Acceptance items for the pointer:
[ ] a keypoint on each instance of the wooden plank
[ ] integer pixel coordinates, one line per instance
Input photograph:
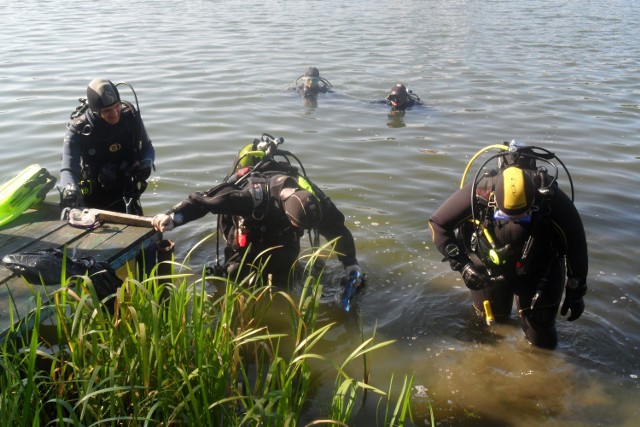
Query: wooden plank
(130, 242)
(56, 239)
(115, 243)
(41, 229)
(33, 223)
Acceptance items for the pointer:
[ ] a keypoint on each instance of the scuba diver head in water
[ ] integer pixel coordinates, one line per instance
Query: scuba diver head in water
(400, 98)
(312, 80)
(311, 84)
(104, 100)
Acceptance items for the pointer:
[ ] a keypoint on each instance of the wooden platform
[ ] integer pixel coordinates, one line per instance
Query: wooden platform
(41, 228)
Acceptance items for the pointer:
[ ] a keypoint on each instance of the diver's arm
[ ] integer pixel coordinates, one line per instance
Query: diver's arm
(332, 226)
(568, 223)
(71, 154)
(147, 149)
(449, 216)
(225, 198)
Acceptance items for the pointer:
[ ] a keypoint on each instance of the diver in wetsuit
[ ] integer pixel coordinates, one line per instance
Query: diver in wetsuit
(400, 99)
(266, 205)
(310, 84)
(107, 155)
(514, 232)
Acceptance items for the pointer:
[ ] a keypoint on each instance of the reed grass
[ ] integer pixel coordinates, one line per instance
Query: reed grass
(170, 354)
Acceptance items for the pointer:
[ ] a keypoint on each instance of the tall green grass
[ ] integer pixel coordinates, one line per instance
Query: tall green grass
(171, 353)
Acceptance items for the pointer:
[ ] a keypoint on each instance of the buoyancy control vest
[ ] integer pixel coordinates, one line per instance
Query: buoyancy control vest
(267, 224)
(239, 232)
(107, 151)
(499, 241)
(512, 246)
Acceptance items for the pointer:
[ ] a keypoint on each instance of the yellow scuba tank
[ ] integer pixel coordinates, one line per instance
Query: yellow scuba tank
(23, 191)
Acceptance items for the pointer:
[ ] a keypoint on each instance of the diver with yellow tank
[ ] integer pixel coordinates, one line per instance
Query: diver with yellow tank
(512, 232)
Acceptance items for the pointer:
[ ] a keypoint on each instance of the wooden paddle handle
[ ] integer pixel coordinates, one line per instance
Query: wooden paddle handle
(91, 218)
(122, 218)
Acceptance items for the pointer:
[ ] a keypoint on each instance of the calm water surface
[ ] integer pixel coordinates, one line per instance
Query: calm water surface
(212, 75)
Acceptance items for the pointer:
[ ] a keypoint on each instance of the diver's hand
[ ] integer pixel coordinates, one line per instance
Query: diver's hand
(573, 299)
(141, 170)
(351, 281)
(71, 197)
(162, 222)
(353, 271)
(473, 277)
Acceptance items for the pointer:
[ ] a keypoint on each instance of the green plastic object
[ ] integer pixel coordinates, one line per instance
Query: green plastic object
(23, 191)
(248, 156)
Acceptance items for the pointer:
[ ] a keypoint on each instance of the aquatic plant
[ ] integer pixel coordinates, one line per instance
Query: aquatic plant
(178, 347)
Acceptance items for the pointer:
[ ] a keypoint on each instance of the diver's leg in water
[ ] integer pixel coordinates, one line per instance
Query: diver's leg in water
(539, 321)
(500, 296)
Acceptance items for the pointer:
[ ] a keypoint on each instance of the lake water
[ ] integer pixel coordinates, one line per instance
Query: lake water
(212, 75)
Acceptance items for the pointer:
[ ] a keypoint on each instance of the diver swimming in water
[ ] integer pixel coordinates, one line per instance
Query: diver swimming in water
(310, 84)
(400, 99)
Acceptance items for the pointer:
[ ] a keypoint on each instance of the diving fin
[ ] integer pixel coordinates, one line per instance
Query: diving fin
(23, 191)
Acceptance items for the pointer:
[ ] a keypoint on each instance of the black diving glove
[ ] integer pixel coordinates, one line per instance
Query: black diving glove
(108, 176)
(473, 277)
(71, 197)
(142, 170)
(575, 290)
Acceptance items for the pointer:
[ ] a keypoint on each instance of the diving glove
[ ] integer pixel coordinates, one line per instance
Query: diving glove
(71, 197)
(142, 170)
(473, 277)
(575, 290)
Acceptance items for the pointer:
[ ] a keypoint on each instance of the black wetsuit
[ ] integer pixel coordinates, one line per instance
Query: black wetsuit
(557, 235)
(254, 210)
(97, 157)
